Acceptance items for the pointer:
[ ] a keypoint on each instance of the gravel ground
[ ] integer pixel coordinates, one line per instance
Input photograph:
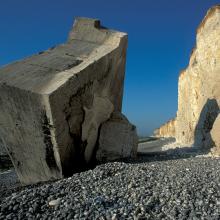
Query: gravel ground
(152, 187)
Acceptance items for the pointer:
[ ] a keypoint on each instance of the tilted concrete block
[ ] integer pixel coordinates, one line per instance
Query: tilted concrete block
(52, 104)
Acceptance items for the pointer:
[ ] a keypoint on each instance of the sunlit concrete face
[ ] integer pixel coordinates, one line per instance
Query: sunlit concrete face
(52, 104)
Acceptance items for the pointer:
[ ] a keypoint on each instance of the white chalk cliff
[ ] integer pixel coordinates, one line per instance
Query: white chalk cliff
(166, 130)
(199, 86)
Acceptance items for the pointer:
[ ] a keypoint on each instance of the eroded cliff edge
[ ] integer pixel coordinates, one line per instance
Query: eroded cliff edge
(199, 86)
(166, 130)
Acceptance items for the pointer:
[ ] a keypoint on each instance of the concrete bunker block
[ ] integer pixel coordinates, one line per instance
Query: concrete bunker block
(52, 104)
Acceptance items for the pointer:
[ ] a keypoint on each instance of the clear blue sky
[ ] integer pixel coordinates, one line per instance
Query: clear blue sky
(161, 37)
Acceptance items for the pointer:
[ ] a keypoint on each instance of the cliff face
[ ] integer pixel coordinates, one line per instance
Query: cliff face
(198, 89)
(166, 130)
(215, 133)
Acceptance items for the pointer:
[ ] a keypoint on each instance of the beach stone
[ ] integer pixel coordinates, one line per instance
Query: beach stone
(54, 202)
(118, 139)
(52, 104)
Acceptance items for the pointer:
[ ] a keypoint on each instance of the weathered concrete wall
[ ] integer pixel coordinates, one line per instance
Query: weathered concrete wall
(198, 89)
(52, 104)
(2, 148)
(166, 130)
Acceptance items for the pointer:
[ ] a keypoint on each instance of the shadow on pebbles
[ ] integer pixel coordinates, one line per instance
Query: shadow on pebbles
(171, 188)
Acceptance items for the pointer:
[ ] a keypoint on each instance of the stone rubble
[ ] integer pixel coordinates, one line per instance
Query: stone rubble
(158, 187)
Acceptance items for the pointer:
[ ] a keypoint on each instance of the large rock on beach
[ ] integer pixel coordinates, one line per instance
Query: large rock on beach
(118, 139)
(52, 104)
